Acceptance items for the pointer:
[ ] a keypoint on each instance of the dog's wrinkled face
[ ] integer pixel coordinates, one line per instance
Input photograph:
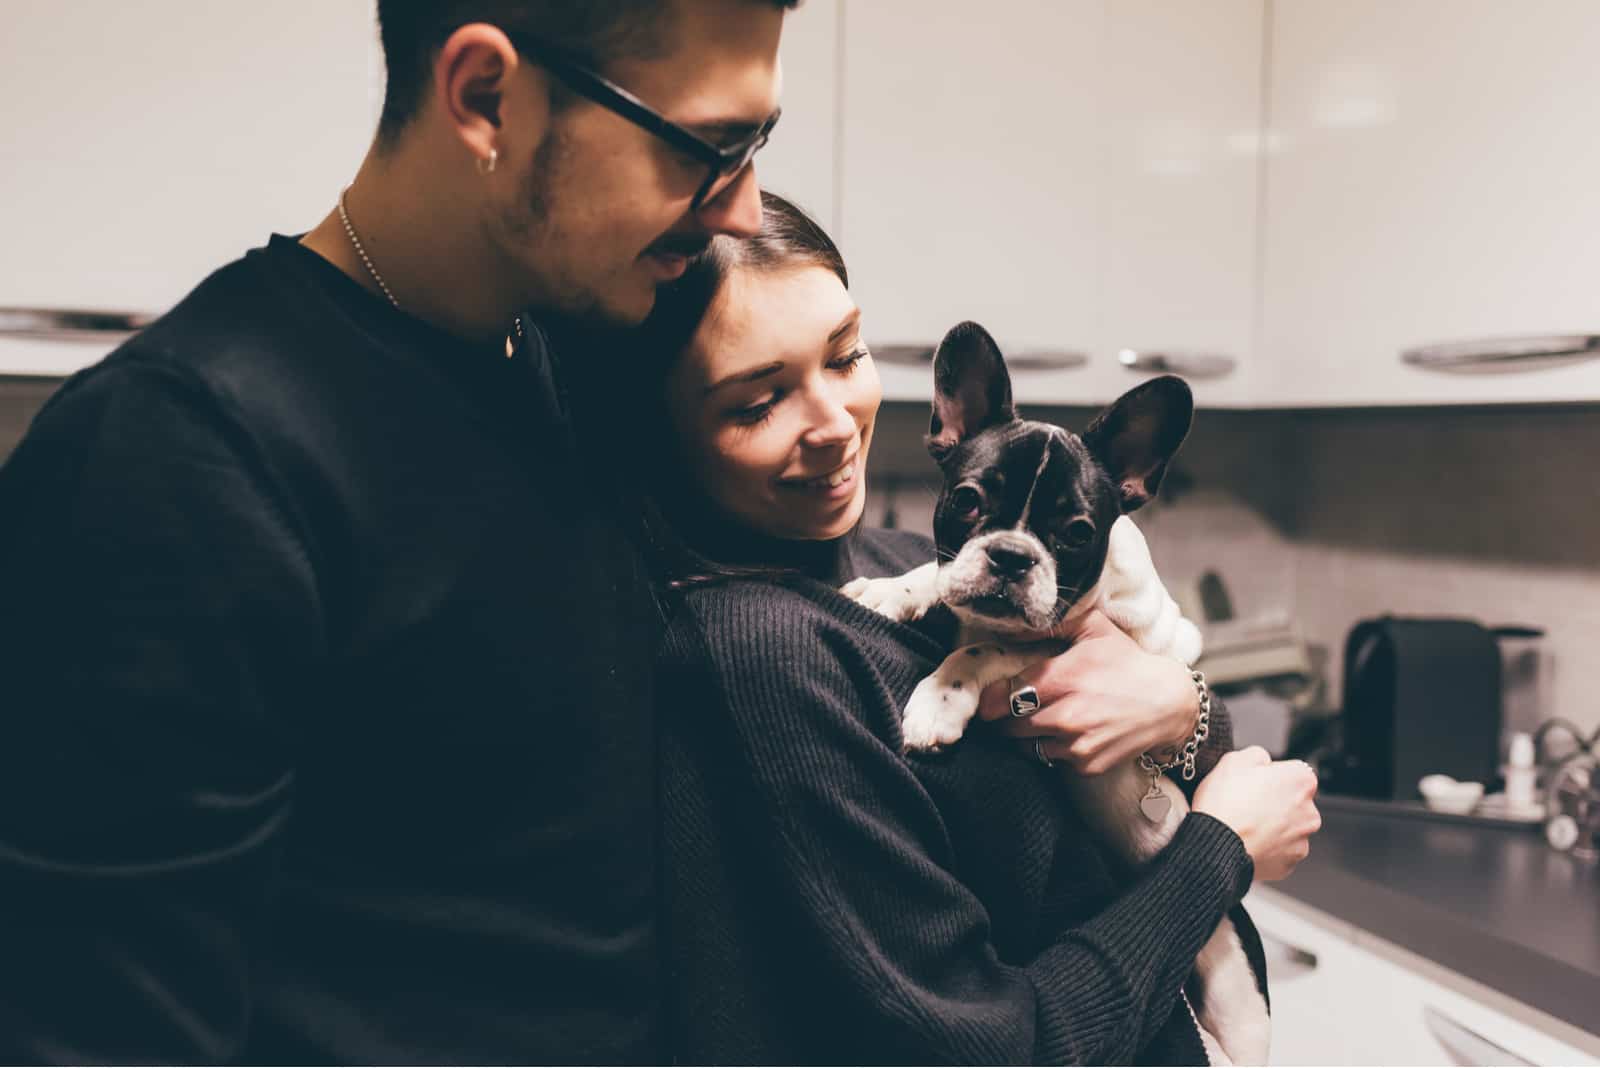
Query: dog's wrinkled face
(1025, 517)
(1022, 526)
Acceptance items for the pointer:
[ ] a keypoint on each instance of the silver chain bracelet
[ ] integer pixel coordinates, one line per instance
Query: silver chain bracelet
(1202, 729)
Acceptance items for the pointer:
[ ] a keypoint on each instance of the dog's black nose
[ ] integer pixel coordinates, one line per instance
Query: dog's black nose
(1009, 563)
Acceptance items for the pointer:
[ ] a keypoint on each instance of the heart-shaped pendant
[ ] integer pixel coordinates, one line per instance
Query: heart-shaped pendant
(1155, 805)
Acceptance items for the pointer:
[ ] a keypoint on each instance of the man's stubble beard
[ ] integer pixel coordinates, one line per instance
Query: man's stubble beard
(531, 224)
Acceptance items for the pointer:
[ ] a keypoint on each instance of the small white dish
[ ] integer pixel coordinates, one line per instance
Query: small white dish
(1444, 794)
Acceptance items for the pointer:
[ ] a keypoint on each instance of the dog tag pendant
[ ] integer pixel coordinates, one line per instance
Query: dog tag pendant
(1155, 805)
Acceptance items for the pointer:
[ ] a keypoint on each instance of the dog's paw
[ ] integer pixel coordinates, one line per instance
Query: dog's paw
(893, 597)
(855, 588)
(938, 713)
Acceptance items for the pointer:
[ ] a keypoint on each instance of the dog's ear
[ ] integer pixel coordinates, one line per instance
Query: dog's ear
(971, 388)
(1136, 437)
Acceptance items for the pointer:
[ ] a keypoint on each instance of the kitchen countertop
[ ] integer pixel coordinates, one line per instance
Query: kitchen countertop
(1496, 905)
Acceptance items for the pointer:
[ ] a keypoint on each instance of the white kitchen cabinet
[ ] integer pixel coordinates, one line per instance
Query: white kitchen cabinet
(1078, 176)
(1342, 996)
(1084, 176)
(136, 162)
(799, 161)
(1432, 178)
(1303, 980)
(1180, 93)
(969, 173)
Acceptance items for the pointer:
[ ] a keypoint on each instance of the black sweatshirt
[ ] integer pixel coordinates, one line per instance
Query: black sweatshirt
(831, 901)
(326, 731)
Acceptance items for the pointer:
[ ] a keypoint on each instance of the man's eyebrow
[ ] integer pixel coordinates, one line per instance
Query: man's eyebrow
(745, 376)
(723, 133)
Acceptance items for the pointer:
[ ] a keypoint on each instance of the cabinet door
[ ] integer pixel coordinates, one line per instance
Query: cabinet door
(1080, 177)
(1332, 1003)
(971, 174)
(1432, 179)
(146, 144)
(1306, 974)
(1448, 1019)
(799, 163)
(1181, 111)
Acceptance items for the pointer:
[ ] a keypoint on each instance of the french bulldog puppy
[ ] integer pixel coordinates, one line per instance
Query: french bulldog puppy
(1032, 533)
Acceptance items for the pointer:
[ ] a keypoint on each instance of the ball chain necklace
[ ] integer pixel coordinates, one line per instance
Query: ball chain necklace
(366, 261)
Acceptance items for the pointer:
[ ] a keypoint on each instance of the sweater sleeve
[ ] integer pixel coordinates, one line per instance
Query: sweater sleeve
(858, 858)
(157, 609)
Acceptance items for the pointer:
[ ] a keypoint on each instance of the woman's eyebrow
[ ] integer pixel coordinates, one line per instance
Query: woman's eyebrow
(745, 376)
(853, 319)
(768, 369)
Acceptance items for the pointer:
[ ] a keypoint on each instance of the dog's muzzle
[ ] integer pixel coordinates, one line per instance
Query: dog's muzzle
(1005, 577)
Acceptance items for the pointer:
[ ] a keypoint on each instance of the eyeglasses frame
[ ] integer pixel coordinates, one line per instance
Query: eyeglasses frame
(723, 162)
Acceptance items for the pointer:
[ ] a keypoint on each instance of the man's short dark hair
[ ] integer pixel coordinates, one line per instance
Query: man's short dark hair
(599, 32)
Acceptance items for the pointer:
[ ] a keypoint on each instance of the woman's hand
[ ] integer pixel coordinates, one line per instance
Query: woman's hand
(1267, 803)
(1103, 701)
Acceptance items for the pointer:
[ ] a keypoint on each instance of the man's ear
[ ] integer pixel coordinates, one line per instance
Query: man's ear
(471, 73)
(1136, 437)
(971, 388)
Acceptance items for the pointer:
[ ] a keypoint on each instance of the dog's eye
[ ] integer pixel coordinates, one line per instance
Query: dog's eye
(1078, 533)
(966, 500)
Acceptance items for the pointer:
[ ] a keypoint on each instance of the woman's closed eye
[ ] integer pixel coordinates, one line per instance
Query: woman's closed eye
(757, 412)
(850, 360)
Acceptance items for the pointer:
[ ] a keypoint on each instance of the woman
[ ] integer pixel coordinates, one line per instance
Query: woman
(828, 898)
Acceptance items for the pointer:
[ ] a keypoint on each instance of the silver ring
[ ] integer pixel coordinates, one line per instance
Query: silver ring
(1038, 751)
(1024, 701)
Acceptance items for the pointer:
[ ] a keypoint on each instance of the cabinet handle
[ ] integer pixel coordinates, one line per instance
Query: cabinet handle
(1285, 961)
(1504, 354)
(1188, 364)
(70, 324)
(1466, 1046)
(1021, 360)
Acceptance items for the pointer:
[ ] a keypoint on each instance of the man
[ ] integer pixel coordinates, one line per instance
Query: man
(327, 725)
(327, 729)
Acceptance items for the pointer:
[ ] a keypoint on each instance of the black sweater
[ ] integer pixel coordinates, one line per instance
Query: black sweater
(325, 730)
(829, 900)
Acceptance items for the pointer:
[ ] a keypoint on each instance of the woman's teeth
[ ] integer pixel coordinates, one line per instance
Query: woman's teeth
(838, 478)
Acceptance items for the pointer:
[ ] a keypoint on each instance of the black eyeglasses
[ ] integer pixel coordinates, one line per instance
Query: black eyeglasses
(725, 163)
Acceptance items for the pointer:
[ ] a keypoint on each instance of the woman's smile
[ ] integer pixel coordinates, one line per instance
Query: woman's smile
(839, 482)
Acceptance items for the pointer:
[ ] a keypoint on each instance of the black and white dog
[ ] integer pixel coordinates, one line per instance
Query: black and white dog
(1032, 533)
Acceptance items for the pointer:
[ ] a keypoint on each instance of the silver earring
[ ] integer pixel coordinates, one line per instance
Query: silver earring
(486, 166)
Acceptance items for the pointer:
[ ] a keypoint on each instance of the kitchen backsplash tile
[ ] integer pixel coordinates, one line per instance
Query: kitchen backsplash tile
(1492, 514)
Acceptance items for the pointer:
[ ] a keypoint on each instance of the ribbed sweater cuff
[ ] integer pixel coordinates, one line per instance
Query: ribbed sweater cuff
(1219, 849)
(1145, 940)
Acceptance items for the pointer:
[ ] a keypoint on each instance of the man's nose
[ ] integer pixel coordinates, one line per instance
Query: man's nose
(736, 210)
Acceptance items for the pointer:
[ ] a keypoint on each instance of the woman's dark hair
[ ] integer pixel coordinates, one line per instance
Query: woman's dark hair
(788, 238)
